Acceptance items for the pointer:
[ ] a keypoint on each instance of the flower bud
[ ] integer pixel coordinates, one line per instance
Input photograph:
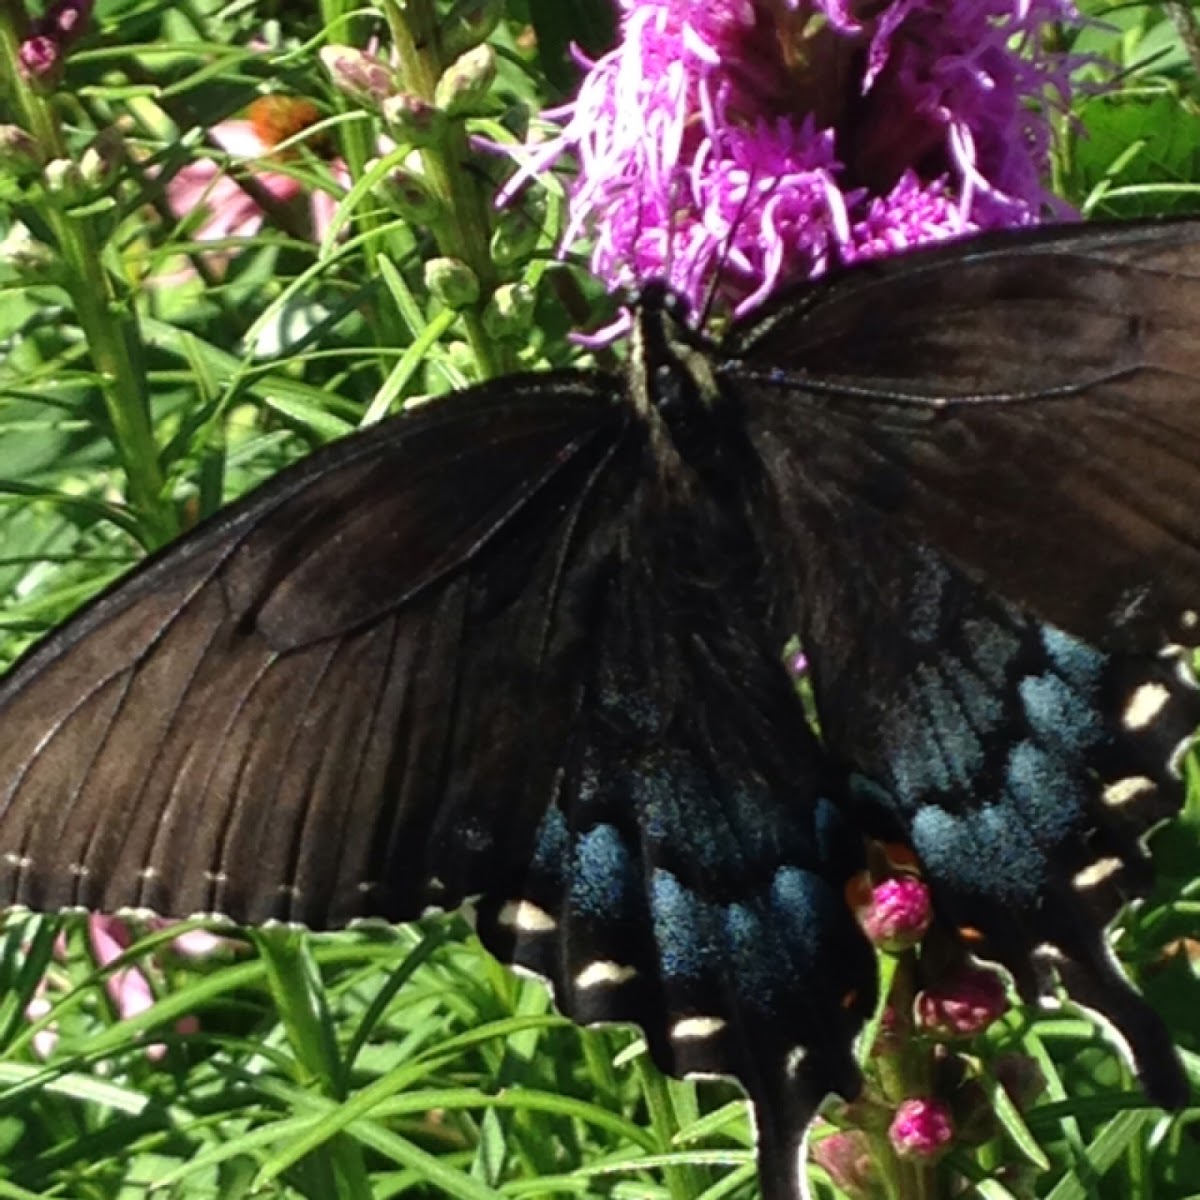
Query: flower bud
(66, 21)
(413, 121)
(45, 1039)
(845, 1157)
(465, 82)
(64, 178)
(20, 153)
(1021, 1077)
(363, 77)
(975, 1121)
(21, 251)
(509, 313)
(99, 162)
(452, 282)
(963, 1005)
(40, 56)
(41, 60)
(461, 357)
(409, 194)
(921, 1129)
(468, 23)
(899, 914)
(515, 236)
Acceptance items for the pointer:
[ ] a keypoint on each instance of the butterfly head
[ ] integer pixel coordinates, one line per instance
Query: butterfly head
(672, 378)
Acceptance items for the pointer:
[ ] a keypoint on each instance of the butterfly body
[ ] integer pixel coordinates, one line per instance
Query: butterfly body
(527, 646)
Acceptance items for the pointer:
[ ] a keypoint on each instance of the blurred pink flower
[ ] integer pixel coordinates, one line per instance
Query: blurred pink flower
(231, 209)
(129, 988)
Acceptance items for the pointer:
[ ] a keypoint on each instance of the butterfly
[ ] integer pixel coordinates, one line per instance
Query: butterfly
(525, 645)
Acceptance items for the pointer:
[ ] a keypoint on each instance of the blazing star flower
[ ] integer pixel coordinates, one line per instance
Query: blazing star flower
(765, 140)
(230, 211)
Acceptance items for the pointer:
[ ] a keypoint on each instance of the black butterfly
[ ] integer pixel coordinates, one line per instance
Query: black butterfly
(527, 645)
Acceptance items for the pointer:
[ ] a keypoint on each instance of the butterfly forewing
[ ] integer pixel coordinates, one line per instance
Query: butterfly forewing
(233, 731)
(396, 678)
(1029, 403)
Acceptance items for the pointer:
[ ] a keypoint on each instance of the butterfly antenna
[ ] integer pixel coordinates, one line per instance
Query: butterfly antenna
(714, 284)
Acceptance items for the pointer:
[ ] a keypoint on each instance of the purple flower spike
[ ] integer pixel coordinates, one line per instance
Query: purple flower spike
(921, 1129)
(746, 142)
(963, 1005)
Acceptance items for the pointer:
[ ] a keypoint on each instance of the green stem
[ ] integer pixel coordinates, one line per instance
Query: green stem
(463, 233)
(683, 1182)
(299, 997)
(106, 317)
(903, 1071)
(356, 140)
(1184, 20)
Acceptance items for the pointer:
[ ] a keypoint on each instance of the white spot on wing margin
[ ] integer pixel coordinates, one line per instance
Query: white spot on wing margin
(527, 917)
(1144, 705)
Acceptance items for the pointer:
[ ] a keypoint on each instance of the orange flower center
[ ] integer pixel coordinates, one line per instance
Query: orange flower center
(276, 118)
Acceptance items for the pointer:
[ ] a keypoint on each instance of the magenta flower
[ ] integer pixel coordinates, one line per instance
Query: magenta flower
(962, 1006)
(921, 1129)
(899, 914)
(753, 139)
(229, 210)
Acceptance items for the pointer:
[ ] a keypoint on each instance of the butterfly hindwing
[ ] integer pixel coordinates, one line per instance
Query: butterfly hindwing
(691, 874)
(1021, 764)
